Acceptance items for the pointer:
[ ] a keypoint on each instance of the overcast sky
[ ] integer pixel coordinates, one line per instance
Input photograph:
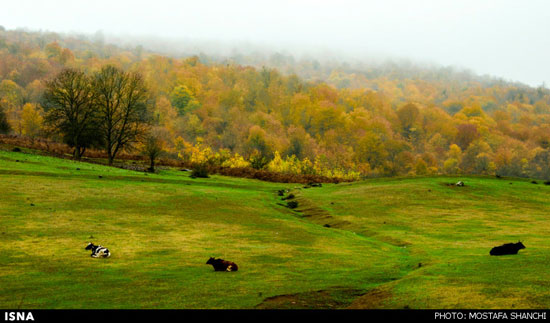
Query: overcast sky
(504, 38)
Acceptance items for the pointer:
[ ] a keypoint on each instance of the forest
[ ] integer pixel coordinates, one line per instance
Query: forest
(278, 114)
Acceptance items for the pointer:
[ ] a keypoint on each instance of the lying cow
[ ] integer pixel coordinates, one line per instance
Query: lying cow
(507, 249)
(98, 251)
(222, 265)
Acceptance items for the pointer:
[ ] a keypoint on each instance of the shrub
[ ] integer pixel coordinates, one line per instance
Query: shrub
(292, 204)
(258, 161)
(289, 197)
(200, 171)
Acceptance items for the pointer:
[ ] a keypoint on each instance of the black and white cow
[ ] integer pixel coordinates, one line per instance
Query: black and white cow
(98, 251)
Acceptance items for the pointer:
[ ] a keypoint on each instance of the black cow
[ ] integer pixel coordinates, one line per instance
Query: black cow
(507, 249)
(98, 251)
(222, 265)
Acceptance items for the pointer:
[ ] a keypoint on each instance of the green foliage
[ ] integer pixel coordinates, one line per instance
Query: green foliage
(183, 100)
(258, 161)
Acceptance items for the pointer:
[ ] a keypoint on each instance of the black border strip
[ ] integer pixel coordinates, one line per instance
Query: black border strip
(30, 315)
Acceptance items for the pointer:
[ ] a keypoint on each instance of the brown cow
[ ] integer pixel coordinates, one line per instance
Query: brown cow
(222, 265)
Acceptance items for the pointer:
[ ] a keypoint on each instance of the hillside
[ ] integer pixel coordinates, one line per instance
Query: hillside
(380, 243)
(296, 116)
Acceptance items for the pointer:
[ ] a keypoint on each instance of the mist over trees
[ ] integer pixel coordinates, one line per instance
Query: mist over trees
(304, 116)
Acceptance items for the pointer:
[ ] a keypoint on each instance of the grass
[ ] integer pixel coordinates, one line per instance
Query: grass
(449, 231)
(161, 228)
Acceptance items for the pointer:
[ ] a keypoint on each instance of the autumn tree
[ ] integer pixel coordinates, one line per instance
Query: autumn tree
(540, 163)
(12, 99)
(121, 101)
(4, 124)
(258, 145)
(68, 102)
(421, 167)
(299, 143)
(31, 121)
(384, 121)
(408, 114)
(183, 100)
(370, 149)
(476, 159)
(466, 134)
(153, 145)
(451, 165)
(53, 50)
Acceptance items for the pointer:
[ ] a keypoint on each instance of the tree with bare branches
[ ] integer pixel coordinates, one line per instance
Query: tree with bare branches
(120, 99)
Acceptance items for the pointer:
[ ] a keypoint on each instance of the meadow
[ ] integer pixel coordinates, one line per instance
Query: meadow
(380, 243)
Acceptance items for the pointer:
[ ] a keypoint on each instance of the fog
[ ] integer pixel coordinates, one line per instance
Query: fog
(507, 39)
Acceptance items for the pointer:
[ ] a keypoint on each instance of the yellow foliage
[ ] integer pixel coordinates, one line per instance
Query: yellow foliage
(455, 152)
(293, 165)
(201, 154)
(31, 120)
(451, 166)
(236, 161)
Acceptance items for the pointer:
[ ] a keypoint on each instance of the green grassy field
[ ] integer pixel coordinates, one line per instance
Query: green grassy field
(384, 243)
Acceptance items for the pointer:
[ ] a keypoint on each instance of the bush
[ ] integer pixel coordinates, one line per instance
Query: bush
(289, 197)
(257, 161)
(292, 204)
(200, 171)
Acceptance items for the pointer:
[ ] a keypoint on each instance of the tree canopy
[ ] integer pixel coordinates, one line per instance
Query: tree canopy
(303, 116)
